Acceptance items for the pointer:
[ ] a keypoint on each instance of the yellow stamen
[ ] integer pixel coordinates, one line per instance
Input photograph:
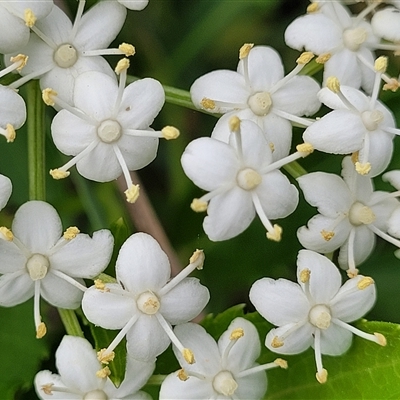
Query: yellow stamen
(197, 256)
(392, 85)
(71, 233)
(122, 65)
(132, 193)
(333, 84)
(47, 95)
(276, 343)
(103, 373)
(198, 205)
(236, 334)
(127, 49)
(327, 235)
(234, 124)
(170, 132)
(47, 389)
(58, 174)
(182, 375)
(100, 285)
(365, 282)
(22, 59)
(10, 133)
(381, 64)
(323, 58)
(322, 376)
(276, 235)
(363, 169)
(207, 104)
(305, 275)
(312, 8)
(272, 147)
(41, 330)
(29, 17)
(305, 57)
(306, 148)
(352, 273)
(188, 356)
(354, 157)
(105, 356)
(245, 50)
(280, 362)
(6, 234)
(381, 339)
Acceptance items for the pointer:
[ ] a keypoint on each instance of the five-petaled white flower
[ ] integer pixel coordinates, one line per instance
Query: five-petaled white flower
(82, 376)
(145, 302)
(5, 190)
(259, 91)
(242, 180)
(316, 311)
(223, 370)
(38, 260)
(351, 214)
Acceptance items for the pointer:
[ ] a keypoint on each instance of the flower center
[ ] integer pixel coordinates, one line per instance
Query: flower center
(224, 383)
(37, 266)
(260, 103)
(372, 119)
(66, 55)
(320, 316)
(360, 214)
(95, 395)
(248, 179)
(148, 303)
(109, 131)
(354, 38)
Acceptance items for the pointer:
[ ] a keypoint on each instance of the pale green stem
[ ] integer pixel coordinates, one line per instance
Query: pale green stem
(70, 322)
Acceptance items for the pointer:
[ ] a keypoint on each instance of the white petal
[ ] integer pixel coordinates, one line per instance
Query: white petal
(357, 98)
(313, 32)
(141, 102)
(14, 34)
(265, 68)
(335, 340)
(210, 163)
(184, 302)
(134, 4)
(12, 106)
(37, 225)
(15, 290)
(352, 303)
(229, 214)
(298, 341)
(325, 279)
(393, 177)
(394, 223)
(326, 191)
(142, 265)
(221, 85)
(367, 75)
(91, 34)
(383, 209)
(5, 190)
(251, 387)
(386, 24)
(84, 257)
(106, 309)
(78, 352)
(12, 259)
(280, 302)
(56, 25)
(44, 378)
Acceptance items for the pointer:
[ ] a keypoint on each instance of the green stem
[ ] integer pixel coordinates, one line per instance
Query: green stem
(36, 142)
(156, 380)
(294, 169)
(70, 322)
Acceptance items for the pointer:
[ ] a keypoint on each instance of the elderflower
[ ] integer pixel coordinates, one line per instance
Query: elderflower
(145, 302)
(59, 51)
(316, 311)
(134, 4)
(223, 370)
(5, 190)
(242, 180)
(82, 377)
(350, 215)
(38, 260)
(259, 91)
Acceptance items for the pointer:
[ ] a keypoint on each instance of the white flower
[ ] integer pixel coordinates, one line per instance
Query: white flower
(386, 24)
(223, 370)
(350, 215)
(108, 131)
(342, 42)
(259, 91)
(359, 124)
(5, 190)
(38, 260)
(59, 51)
(242, 180)
(134, 4)
(16, 19)
(316, 311)
(145, 302)
(82, 377)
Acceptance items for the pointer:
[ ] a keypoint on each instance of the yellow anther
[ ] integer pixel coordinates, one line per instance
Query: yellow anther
(323, 58)
(306, 148)
(381, 64)
(170, 132)
(48, 389)
(105, 356)
(352, 273)
(103, 373)
(363, 169)
(276, 343)
(354, 157)
(10, 133)
(207, 104)
(58, 173)
(122, 65)
(305, 58)
(271, 146)
(198, 205)
(312, 8)
(234, 124)
(322, 376)
(182, 375)
(22, 59)
(365, 282)
(276, 234)
(280, 362)
(305, 275)
(188, 356)
(29, 17)
(333, 84)
(41, 330)
(47, 96)
(380, 338)
(392, 85)
(327, 235)
(71, 233)
(6, 234)
(132, 193)
(245, 50)
(127, 49)
(236, 334)
(197, 257)
(100, 285)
